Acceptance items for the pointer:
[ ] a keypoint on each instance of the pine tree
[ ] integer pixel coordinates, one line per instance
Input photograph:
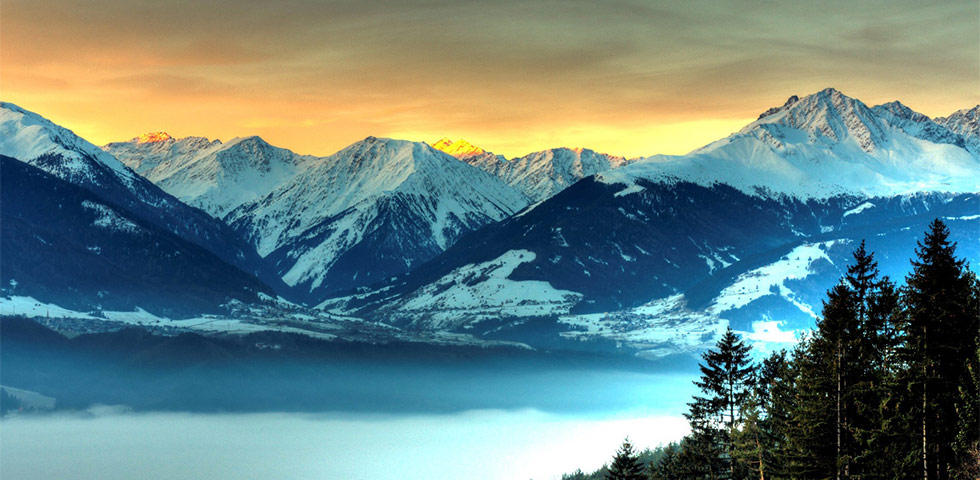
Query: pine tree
(811, 440)
(761, 443)
(940, 331)
(667, 467)
(702, 453)
(849, 358)
(626, 464)
(967, 441)
(834, 347)
(726, 380)
(871, 358)
(751, 442)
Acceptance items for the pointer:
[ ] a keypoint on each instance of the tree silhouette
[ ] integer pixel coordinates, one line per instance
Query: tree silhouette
(626, 464)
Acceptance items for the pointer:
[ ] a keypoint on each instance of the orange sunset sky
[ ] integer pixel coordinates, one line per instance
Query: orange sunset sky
(629, 78)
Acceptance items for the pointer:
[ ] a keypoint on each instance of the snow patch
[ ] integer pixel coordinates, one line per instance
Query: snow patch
(770, 279)
(860, 208)
(107, 218)
(656, 329)
(483, 290)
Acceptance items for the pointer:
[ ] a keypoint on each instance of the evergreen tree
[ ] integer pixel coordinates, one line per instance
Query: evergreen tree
(726, 381)
(871, 359)
(667, 467)
(751, 445)
(940, 331)
(968, 408)
(812, 440)
(849, 357)
(626, 464)
(967, 442)
(780, 374)
(834, 352)
(761, 444)
(702, 453)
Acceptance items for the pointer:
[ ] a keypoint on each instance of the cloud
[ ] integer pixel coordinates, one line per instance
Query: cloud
(553, 67)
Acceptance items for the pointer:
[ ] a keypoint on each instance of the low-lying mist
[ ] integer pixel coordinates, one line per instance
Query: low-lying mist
(210, 407)
(489, 444)
(202, 374)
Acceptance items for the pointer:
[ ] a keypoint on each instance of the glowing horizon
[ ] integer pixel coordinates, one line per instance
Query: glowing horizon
(628, 78)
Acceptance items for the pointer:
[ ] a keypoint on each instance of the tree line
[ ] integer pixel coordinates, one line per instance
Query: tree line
(887, 386)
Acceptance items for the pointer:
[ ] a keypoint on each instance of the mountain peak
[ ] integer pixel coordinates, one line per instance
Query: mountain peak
(33, 139)
(828, 117)
(789, 102)
(900, 110)
(896, 110)
(458, 148)
(153, 137)
(965, 122)
(252, 141)
(830, 92)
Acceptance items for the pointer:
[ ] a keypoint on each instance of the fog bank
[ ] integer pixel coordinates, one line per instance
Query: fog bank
(486, 444)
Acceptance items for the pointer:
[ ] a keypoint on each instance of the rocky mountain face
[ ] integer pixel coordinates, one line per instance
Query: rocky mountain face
(62, 244)
(751, 228)
(213, 176)
(538, 175)
(563, 245)
(375, 209)
(30, 138)
(965, 123)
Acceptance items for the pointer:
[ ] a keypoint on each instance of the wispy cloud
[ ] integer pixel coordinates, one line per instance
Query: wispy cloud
(468, 68)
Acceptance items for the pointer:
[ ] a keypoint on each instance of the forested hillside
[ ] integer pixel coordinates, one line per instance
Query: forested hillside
(886, 386)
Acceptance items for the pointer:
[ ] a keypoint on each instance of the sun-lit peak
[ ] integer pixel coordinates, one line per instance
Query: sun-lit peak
(153, 137)
(457, 148)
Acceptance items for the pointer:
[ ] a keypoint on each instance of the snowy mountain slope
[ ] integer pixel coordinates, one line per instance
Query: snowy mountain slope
(541, 175)
(919, 126)
(819, 146)
(458, 148)
(149, 151)
(613, 250)
(471, 154)
(965, 123)
(538, 175)
(818, 173)
(30, 138)
(62, 244)
(772, 303)
(734, 259)
(34, 139)
(480, 292)
(213, 176)
(376, 208)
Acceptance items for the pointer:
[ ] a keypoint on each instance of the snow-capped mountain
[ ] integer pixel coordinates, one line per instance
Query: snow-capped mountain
(471, 154)
(33, 139)
(819, 146)
(541, 175)
(966, 123)
(213, 176)
(538, 175)
(686, 237)
(148, 151)
(919, 126)
(372, 210)
(64, 245)
(458, 148)
(750, 228)
(30, 138)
